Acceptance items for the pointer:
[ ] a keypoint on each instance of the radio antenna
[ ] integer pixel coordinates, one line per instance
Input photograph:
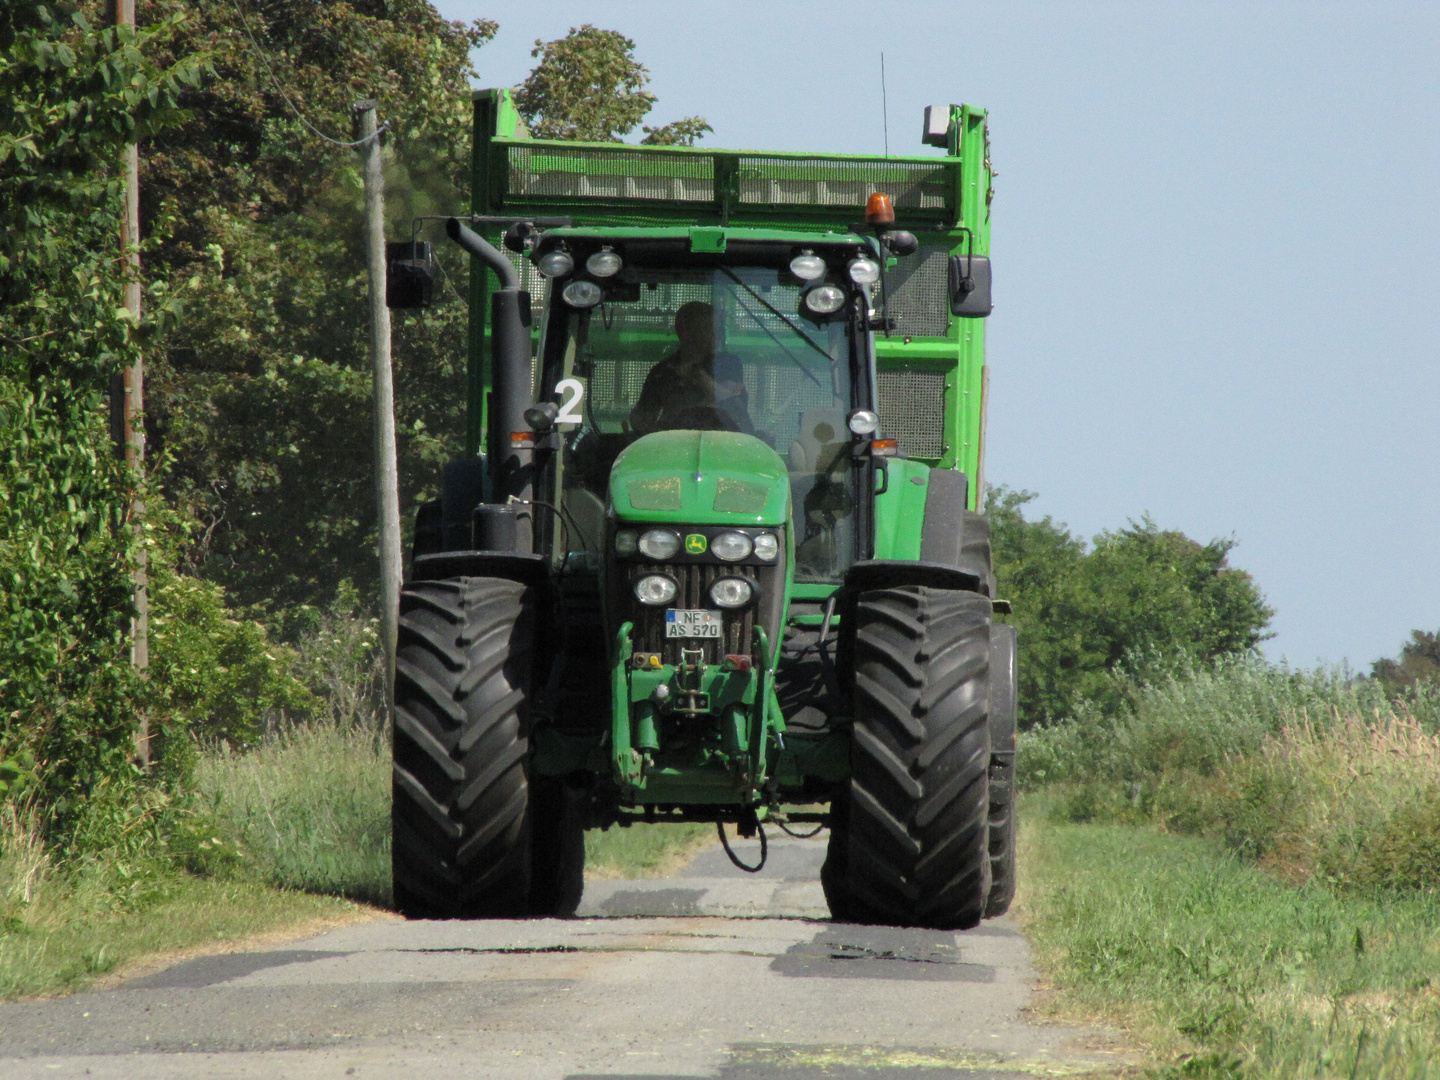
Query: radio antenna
(884, 105)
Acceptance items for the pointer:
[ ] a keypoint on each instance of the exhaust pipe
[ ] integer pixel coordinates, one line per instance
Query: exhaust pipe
(511, 470)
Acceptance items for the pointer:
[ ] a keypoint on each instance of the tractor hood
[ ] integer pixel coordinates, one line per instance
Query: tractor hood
(700, 478)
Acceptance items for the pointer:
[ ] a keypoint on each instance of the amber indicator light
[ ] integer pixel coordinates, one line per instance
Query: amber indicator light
(879, 210)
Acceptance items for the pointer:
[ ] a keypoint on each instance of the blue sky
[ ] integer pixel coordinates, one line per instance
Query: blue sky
(1216, 245)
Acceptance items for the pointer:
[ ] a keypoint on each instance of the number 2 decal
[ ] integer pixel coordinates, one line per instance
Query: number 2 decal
(572, 392)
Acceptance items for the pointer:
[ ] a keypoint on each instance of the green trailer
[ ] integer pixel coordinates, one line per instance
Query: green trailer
(715, 551)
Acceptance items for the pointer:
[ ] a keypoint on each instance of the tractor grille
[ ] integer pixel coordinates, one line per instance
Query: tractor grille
(912, 409)
(695, 580)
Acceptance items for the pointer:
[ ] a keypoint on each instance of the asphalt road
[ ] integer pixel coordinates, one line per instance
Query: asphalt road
(713, 973)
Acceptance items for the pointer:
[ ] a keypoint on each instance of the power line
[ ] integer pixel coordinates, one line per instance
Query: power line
(279, 89)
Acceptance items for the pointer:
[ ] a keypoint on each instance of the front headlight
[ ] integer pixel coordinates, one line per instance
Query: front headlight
(731, 546)
(767, 546)
(604, 263)
(863, 422)
(864, 271)
(659, 544)
(555, 263)
(655, 589)
(581, 294)
(825, 299)
(731, 592)
(807, 266)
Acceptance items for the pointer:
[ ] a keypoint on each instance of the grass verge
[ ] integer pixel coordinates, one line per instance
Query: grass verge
(63, 944)
(292, 834)
(1222, 970)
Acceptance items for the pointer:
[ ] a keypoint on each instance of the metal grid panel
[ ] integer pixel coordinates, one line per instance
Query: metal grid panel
(919, 289)
(817, 182)
(583, 173)
(912, 409)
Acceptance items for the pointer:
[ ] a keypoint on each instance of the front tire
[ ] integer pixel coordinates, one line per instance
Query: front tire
(910, 841)
(461, 814)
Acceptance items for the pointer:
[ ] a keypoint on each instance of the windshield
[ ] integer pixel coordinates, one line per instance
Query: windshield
(720, 348)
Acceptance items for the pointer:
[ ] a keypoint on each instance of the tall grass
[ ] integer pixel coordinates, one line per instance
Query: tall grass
(1314, 772)
(310, 808)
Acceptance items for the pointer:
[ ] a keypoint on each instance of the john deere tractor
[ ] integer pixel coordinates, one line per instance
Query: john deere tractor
(715, 552)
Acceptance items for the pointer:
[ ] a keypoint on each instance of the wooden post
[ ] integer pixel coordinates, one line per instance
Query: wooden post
(128, 410)
(387, 488)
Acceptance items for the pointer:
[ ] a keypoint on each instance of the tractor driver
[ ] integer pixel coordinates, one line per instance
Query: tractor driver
(692, 387)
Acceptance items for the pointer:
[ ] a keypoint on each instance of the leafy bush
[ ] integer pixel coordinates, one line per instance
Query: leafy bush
(1136, 601)
(71, 95)
(1419, 662)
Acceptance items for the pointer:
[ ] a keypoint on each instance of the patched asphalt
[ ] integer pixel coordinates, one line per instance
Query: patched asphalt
(712, 973)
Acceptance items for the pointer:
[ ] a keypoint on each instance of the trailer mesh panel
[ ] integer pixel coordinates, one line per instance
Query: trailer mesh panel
(622, 175)
(611, 174)
(912, 409)
(817, 182)
(919, 289)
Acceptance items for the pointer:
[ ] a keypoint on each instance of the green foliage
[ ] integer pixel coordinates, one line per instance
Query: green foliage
(213, 676)
(1137, 600)
(686, 132)
(71, 94)
(1419, 661)
(1187, 720)
(589, 86)
(261, 396)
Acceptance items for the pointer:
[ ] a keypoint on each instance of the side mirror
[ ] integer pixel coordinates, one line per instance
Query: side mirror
(521, 237)
(970, 286)
(901, 242)
(409, 274)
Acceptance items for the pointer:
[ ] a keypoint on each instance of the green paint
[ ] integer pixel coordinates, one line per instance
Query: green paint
(693, 463)
(707, 238)
(900, 511)
(656, 493)
(734, 496)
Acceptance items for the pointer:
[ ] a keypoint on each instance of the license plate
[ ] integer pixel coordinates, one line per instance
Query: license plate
(683, 622)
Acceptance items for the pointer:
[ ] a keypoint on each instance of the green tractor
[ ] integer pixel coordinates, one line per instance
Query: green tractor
(716, 552)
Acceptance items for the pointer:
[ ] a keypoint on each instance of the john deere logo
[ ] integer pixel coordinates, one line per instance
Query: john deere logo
(694, 544)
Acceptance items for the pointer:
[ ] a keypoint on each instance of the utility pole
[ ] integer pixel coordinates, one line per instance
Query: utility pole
(128, 404)
(387, 487)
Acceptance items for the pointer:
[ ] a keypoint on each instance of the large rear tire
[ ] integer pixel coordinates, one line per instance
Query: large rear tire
(1002, 770)
(909, 840)
(461, 816)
